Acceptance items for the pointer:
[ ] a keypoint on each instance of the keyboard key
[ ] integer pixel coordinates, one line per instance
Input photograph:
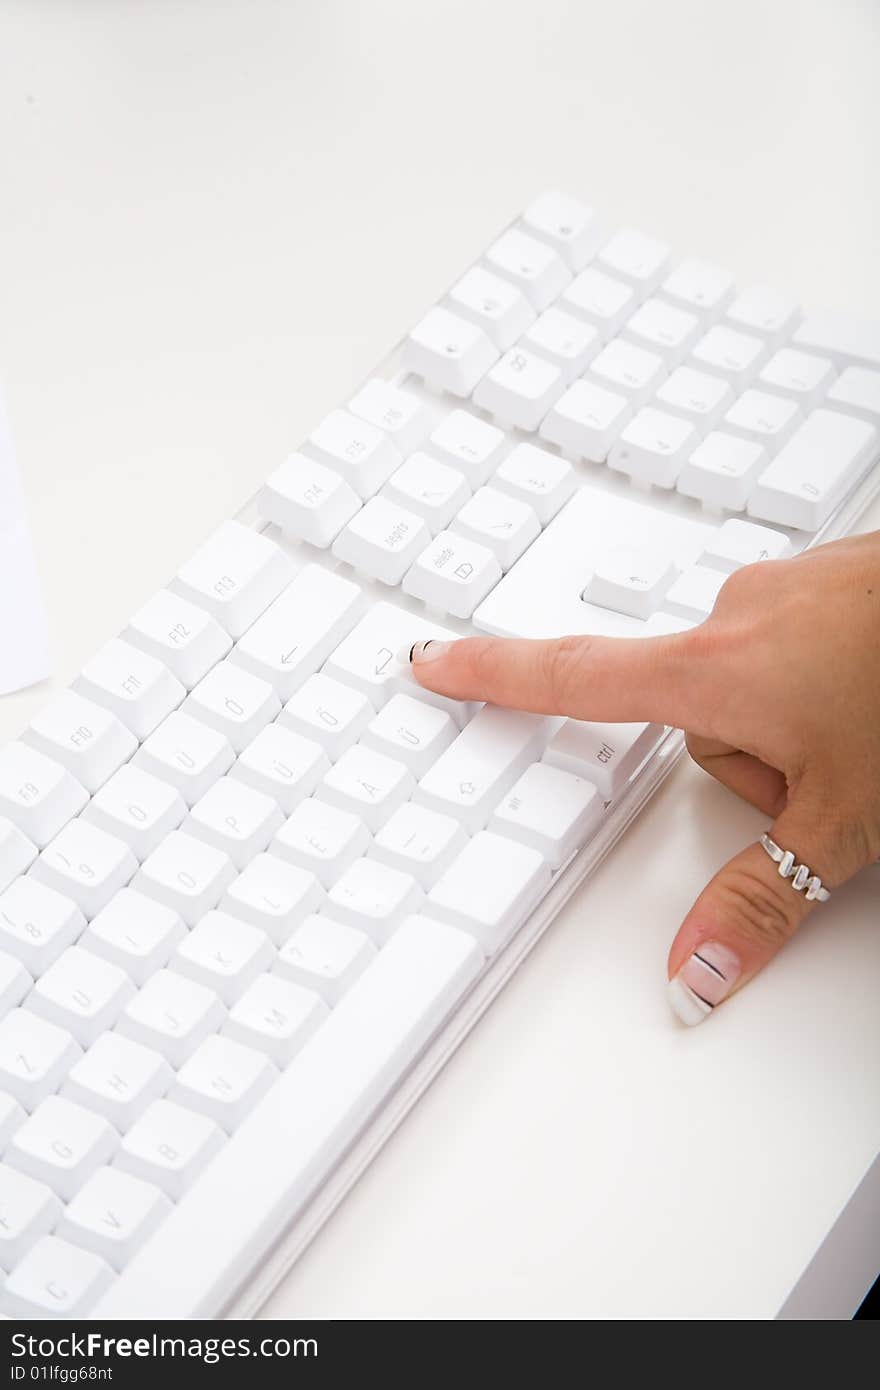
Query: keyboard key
(37, 794)
(501, 523)
(653, 447)
(16, 853)
(570, 227)
(552, 811)
(186, 753)
(369, 784)
(61, 1144)
(325, 956)
(813, 472)
(664, 329)
(856, 392)
(131, 684)
(493, 304)
(419, 841)
(272, 895)
(55, 1280)
(736, 357)
(282, 764)
(81, 993)
(640, 259)
(118, 1078)
(847, 340)
(137, 808)
(234, 818)
(399, 414)
(28, 1210)
(86, 739)
(113, 1214)
(587, 420)
(171, 1014)
(136, 933)
(374, 898)
(329, 712)
(605, 754)
(566, 341)
(694, 593)
(35, 1056)
(86, 864)
(493, 750)
(531, 265)
(800, 375)
(739, 543)
(382, 540)
(276, 1017)
(300, 629)
(233, 702)
(698, 396)
(12, 1116)
(520, 388)
(760, 309)
(180, 634)
(628, 370)
(452, 574)
(490, 889)
(234, 576)
(186, 875)
(541, 479)
(631, 579)
(15, 983)
(224, 954)
(431, 489)
(308, 500)
(412, 731)
(604, 302)
(702, 289)
(763, 419)
(450, 353)
(471, 445)
(37, 923)
(368, 658)
(362, 454)
(321, 838)
(223, 1080)
(169, 1146)
(722, 471)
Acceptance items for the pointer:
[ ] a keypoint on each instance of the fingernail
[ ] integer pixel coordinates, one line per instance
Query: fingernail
(703, 981)
(420, 652)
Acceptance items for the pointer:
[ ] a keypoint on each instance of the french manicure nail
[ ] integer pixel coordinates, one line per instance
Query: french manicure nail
(420, 652)
(703, 981)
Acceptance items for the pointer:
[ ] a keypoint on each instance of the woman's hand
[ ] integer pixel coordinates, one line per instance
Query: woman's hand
(779, 694)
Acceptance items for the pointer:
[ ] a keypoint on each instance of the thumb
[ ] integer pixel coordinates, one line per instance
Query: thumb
(749, 910)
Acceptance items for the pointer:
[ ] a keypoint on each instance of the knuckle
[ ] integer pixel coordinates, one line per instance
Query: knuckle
(760, 912)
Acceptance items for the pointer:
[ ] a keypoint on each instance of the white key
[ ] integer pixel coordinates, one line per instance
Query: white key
(86, 864)
(180, 634)
(552, 811)
(60, 1144)
(275, 1016)
(631, 579)
(453, 574)
(814, 471)
(698, 396)
(82, 993)
(35, 1056)
(16, 852)
(136, 933)
(374, 897)
(722, 471)
(662, 328)
(36, 793)
(12, 1115)
(169, 1146)
(272, 895)
(640, 259)
(131, 684)
(490, 889)
(172, 1015)
(501, 523)
(653, 447)
(534, 476)
(281, 764)
(55, 1280)
(382, 541)
(308, 500)
(760, 309)
(299, 630)
(739, 543)
(88, 740)
(694, 593)
(223, 1079)
(469, 444)
(15, 983)
(587, 420)
(234, 576)
(412, 731)
(485, 760)
(448, 352)
(321, 838)
(604, 302)
(368, 784)
(234, 702)
(566, 341)
(399, 414)
(493, 304)
(762, 418)
(847, 340)
(28, 1210)
(531, 265)
(37, 923)
(520, 389)
(605, 754)
(186, 753)
(234, 818)
(419, 841)
(113, 1214)
(857, 392)
(327, 712)
(737, 357)
(325, 956)
(629, 370)
(429, 488)
(223, 953)
(569, 226)
(118, 1078)
(702, 289)
(800, 375)
(186, 875)
(136, 807)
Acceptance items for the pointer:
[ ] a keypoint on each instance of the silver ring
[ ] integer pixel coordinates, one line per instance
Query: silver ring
(801, 877)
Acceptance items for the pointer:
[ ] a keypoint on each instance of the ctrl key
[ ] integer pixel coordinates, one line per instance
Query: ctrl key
(453, 574)
(605, 754)
(55, 1280)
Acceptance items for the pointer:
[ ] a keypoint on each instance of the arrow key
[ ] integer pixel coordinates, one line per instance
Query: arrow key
(653, 447)
(632, 580)
(503, 524)
(112, 1215)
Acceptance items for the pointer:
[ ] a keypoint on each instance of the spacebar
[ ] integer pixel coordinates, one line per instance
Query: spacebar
(244, 1200)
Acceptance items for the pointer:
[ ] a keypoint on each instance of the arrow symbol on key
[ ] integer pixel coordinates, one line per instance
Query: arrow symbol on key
(286, 657)
(383, 656)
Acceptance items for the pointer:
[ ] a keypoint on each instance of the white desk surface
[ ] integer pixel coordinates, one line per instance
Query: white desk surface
(214, 220)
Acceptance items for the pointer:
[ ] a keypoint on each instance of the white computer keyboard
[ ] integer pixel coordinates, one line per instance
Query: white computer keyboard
(255, 884)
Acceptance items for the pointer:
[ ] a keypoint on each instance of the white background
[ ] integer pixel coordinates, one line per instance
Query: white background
(215, 218)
